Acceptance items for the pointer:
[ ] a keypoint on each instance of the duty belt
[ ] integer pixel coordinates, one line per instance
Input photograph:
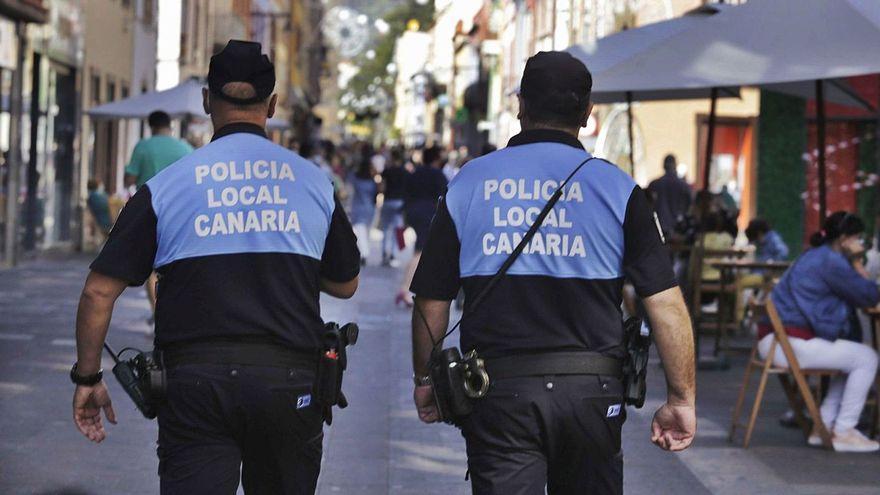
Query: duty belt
(243, 353)
(553, 363)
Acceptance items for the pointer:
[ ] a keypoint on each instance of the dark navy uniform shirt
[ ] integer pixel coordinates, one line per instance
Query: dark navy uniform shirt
(564, 292)
(240, 231)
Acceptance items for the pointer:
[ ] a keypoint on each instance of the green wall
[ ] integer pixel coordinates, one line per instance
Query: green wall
(867, 196)
(782, 140)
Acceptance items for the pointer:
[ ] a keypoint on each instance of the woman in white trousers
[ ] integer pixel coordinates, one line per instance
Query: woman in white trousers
(815, 299)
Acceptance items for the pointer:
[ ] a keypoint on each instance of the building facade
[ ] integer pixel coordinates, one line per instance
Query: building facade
(66, 68)
(119, 39)
(289, 31)
(41, 70)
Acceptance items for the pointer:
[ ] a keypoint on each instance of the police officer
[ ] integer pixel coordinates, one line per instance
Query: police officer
(244, 235)
(537, 429)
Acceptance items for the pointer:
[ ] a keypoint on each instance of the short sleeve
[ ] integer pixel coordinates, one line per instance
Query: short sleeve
(134, 166)
(646, 261)
(341, 260)
(438, 275)
(131, 247)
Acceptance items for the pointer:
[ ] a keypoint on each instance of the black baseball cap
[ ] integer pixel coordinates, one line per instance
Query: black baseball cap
(242, 61)
(553, 74)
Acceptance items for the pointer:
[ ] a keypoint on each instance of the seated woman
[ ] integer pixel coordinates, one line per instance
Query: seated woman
(769, 245)
(715, 238)
(815, 299)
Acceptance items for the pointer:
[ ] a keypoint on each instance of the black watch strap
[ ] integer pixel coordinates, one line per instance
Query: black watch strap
(88, 380)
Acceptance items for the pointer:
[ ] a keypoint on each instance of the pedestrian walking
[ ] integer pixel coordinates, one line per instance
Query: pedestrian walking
(363, 202)
(423, 188)
(151, 156)
(393, 187)
(549, 331)
(244, 235)
(672, 196)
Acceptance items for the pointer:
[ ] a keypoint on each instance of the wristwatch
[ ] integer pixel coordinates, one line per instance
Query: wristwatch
(422, 381)
(86, 381)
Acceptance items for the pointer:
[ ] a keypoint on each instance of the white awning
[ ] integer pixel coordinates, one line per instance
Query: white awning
(183, 100)
(781, 45)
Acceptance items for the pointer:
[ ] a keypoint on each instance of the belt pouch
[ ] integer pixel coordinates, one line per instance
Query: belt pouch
(328, 379)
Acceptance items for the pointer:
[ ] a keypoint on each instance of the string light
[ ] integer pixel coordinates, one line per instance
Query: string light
(863, 180)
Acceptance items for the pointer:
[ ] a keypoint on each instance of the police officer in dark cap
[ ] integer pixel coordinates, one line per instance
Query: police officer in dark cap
(549, 330)
(244, 235)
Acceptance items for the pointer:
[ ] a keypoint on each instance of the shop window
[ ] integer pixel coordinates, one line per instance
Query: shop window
(95, 88)
(147, 14)
(111, 90)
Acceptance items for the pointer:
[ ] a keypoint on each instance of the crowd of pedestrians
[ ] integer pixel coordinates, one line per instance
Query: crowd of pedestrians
(388, 192)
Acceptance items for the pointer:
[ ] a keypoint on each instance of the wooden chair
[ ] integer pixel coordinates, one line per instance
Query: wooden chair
(797, 393)
(874, 316)
(700, 288)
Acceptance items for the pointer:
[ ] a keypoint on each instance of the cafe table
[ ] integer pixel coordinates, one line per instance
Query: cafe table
(729, 269)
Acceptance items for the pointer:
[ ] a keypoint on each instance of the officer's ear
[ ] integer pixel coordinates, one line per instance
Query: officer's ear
(206, 101)
(272, 102)
(519, 112)
(586, 116)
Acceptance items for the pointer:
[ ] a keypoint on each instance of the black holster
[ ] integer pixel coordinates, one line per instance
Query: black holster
(635, 366)
(457, 380)
(143, 379)
(332, 364)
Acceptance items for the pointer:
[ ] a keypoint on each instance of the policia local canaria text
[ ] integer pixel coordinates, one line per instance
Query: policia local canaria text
(267, 219)
(547, 244)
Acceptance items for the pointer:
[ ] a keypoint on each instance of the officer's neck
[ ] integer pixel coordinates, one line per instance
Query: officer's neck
(223, 119)
(535, 126)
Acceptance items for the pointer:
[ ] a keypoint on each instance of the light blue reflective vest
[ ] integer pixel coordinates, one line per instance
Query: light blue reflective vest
(494, 200)
(241, 194)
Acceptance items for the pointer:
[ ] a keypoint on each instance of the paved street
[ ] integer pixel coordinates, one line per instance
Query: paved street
(375, 447)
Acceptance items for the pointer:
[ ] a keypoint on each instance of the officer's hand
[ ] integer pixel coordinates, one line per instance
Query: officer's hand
(87, 405)
(423, 396)
(674, 427)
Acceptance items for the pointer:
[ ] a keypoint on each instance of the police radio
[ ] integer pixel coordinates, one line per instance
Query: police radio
(142, 377)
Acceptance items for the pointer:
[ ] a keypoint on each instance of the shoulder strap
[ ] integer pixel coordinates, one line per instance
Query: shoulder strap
(479, 298)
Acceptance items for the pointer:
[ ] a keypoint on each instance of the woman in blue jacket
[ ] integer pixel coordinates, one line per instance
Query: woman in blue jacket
(363, 202)
(815, 299)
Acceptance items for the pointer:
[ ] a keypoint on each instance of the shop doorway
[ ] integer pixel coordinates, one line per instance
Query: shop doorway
(48, 208)
(64, 156)
(733, 155)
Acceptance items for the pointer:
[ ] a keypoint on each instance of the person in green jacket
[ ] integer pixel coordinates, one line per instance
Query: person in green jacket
(151, 156)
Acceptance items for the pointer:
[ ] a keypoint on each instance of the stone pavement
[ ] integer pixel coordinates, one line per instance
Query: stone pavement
(377, 446)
